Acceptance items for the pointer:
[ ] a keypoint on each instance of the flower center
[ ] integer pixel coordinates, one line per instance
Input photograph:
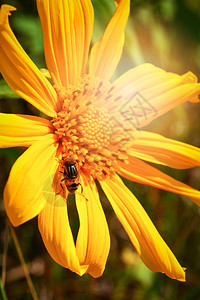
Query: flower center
(86, 129)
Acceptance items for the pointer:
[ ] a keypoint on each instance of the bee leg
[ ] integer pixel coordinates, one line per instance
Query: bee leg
(63, 179)
(81, 188)
(58, 193)
(82, 191)
(82, 196)
(61, 188)
(58, 161)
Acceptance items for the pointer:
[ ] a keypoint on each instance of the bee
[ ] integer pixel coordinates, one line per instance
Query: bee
(70, 176)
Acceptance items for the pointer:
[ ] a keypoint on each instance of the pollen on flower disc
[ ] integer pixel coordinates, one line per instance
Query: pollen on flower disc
(86, 129)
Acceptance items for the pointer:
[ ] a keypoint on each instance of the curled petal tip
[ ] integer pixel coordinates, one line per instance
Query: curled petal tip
(83, 270)
(179, 274)
(7, 8)
(189, 77)
(182, 278)
(5, 11)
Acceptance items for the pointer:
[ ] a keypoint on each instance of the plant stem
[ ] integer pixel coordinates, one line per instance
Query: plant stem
(6, 238)
(3, 292)
(24, 266)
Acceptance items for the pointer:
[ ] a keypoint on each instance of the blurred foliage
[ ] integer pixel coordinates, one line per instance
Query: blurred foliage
(167, 34)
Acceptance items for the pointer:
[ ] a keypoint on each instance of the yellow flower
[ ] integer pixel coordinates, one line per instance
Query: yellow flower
(94, 123)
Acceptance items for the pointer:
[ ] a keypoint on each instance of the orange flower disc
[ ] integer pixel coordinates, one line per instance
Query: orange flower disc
(85, 128)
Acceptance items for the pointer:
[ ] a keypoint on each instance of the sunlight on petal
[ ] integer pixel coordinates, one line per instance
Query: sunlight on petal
(150, 92)
(106, 53)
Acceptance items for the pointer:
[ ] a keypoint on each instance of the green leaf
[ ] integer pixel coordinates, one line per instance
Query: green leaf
(3, 292)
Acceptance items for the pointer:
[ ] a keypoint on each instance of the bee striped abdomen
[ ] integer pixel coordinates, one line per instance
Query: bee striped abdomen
(72, 187)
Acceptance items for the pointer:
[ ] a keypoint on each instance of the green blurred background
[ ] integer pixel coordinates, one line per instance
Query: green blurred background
(167, 34)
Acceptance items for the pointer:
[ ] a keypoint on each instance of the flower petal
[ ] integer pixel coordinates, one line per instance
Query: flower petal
(67, 29)
(150, 246)
(150, 92)
(56, 233)
(93, 240)
(141, 172)
(20, 72)
(157, 149)
(22, 130)
(23, 197)
(106, 53)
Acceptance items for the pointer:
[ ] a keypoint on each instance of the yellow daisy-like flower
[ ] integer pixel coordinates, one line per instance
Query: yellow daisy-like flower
(95, 125)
